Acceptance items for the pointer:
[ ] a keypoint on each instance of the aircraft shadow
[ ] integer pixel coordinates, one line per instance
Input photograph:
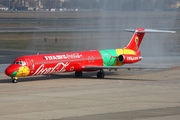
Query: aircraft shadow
(87, 76)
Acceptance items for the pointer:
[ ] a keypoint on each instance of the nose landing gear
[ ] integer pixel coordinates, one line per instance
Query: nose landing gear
(14, 80)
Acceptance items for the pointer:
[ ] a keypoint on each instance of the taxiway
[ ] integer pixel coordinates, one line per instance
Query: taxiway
(135, 94)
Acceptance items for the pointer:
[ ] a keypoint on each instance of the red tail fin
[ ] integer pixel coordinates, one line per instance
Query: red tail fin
(136, 39)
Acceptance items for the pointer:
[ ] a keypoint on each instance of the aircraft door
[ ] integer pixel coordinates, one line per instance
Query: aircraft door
(30, 64)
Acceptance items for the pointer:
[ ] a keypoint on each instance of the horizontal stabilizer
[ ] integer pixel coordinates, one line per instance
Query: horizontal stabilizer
(149, 31)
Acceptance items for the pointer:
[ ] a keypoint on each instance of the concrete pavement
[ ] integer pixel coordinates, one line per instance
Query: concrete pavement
(126, 95)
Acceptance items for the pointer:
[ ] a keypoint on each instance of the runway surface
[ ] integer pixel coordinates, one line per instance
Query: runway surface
(126, 95)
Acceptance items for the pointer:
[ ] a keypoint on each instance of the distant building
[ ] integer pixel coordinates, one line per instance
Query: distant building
(4, 8)
(176, 5)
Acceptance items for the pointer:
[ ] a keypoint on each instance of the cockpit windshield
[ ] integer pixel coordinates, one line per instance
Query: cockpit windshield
(19, 62)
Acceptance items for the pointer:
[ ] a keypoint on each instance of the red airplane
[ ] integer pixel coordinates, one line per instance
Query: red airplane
(81, 61)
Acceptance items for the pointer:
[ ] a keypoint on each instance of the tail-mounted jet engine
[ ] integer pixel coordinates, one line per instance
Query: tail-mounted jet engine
(128, 59)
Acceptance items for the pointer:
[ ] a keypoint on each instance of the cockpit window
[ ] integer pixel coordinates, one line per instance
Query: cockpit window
(20, 62)
(16, 62)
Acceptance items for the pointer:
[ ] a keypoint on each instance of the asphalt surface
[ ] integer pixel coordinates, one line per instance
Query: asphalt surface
(122, 95)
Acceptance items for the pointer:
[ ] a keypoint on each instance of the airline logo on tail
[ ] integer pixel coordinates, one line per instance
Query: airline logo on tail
(136, 41)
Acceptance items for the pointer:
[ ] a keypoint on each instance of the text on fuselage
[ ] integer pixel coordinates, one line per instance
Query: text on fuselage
(65, 56)
(132, 58)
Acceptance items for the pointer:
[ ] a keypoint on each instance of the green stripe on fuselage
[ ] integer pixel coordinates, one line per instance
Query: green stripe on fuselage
(108, 57)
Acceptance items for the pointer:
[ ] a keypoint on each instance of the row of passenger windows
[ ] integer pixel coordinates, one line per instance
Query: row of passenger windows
(51, 62)
(20, 62)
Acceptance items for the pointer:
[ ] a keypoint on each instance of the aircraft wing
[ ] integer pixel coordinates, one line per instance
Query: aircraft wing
(124, 67)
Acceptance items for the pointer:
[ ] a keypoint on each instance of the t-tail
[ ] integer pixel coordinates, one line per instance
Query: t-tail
(138, 35)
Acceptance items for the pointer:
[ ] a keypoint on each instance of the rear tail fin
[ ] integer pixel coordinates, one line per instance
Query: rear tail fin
(138, 35)
(136, 39)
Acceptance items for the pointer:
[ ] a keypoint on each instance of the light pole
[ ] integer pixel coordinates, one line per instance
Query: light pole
(9, 4)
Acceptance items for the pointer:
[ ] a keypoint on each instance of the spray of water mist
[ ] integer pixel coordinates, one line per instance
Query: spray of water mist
(112, 22)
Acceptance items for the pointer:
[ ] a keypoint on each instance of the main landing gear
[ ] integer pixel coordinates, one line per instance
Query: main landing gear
(14, 80)
(100, 74)
(78, 73)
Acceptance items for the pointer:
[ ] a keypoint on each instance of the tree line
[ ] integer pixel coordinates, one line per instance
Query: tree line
(98, 4)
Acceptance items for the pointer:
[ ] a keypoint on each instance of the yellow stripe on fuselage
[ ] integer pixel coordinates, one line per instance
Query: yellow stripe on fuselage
(125, 51)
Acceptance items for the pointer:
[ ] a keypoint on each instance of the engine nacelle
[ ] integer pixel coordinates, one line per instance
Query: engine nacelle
(128, 59)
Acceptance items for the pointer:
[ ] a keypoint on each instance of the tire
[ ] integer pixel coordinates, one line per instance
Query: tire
(78, 73)
(14, 81)
(100, 75)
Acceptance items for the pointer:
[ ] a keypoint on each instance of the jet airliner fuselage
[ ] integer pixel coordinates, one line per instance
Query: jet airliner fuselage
(92, 60)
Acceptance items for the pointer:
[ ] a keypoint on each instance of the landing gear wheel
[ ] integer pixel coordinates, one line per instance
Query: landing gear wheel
(100, 74)
(14, 80)
(78, 73)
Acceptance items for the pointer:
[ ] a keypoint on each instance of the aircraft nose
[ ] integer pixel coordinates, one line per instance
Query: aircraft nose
(11, 70)
(17, 71)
